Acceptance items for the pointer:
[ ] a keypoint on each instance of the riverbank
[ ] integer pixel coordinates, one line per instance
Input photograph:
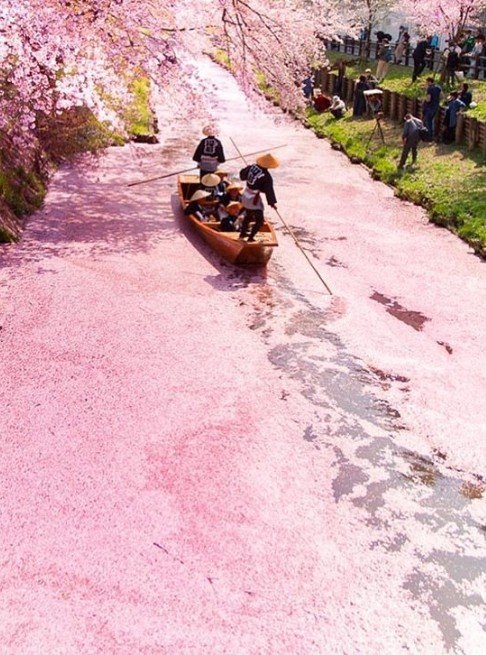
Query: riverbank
(449, 181)
(59, 139)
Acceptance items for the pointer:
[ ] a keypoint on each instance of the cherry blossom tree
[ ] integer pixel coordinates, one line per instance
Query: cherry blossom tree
(447, 17)
(59, 54)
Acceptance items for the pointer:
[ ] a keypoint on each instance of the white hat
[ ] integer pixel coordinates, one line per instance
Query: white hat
(199, 195)
(210, 179)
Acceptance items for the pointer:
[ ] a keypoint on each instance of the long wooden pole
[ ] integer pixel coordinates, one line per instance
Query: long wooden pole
(186, 170)
(297, 242)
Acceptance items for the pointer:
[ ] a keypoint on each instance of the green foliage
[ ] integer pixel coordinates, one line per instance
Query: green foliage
(74, 131)
(139, 116)
(21, 191)
(6, 236)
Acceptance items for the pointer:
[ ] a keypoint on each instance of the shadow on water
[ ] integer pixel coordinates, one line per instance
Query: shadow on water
(351, 416)
(229, 277)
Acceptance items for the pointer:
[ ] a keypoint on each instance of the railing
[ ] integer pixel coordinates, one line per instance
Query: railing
(469, 131)
(473, 67)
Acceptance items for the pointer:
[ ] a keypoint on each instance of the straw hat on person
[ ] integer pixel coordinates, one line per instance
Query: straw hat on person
(234, 185)
(199, 195)
(210, 179)
(267, 161)
(209, 130)
(234, 208)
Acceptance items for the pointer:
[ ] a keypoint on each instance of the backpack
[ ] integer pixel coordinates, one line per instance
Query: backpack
(424, 134)
(452, 60)
(387, 53)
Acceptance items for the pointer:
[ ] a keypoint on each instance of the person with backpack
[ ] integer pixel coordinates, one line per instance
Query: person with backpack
(419, 57)
(385, 56)
(410, 139)
(452, 63)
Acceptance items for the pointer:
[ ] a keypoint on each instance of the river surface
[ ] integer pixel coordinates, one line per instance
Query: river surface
(203, 459)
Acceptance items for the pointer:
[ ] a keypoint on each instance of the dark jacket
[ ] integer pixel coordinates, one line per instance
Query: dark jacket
(258, 178)
(209, 153)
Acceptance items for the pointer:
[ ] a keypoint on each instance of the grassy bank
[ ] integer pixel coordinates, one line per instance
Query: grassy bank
(448, 180)
(399, 79)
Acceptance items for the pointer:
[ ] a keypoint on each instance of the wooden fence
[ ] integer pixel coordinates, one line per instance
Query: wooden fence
(469, 131)
(474, 67)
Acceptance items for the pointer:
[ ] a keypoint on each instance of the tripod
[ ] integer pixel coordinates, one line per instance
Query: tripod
(377, 128)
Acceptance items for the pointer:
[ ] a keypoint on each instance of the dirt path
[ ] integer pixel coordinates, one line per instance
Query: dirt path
(197, 459)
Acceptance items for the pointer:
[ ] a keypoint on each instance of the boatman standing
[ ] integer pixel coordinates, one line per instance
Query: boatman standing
(209, 153)
(258, 181)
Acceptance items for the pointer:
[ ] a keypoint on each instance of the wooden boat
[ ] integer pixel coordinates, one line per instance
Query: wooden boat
(227, 244)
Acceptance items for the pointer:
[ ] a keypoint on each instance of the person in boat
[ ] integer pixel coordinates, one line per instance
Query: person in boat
(211, 183)
(232, 193)
(209, 152)
(229, 216)
(258, 180)
(197, 208)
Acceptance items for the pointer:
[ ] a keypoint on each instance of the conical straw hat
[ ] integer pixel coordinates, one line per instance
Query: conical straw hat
(210, 179)
(233, 208)
(267, 161)
(199, 195)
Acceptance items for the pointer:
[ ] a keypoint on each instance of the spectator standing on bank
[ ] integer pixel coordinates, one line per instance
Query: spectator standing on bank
(410, 139)
(475, 57)
(385, 56)
(452, 63)
(431, 105)
(454, 106)
(359, 104)
(402, 45)
(419, 55)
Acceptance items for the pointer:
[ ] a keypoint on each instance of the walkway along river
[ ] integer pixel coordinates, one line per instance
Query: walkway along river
(202, 459)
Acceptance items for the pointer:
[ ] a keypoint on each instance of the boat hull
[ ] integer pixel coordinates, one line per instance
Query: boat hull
(228, 244)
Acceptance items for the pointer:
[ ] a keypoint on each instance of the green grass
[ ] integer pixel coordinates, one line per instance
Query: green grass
(449, 181)
(399, 79)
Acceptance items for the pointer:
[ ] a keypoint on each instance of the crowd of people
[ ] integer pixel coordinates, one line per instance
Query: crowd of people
(466, 56)
(232, 205)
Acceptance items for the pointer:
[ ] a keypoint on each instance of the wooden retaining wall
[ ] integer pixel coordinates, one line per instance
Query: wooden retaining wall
(469, 131)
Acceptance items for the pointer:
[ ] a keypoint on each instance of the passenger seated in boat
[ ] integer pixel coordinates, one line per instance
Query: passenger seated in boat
(229, 216)
(232, 193)
(195, 207)
(210, 183)
(223, 183)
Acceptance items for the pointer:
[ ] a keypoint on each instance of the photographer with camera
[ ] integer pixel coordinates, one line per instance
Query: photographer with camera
(410, 139)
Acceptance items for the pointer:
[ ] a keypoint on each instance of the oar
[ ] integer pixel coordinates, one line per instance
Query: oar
(303, 252)
(297, 243)
(186, 170)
